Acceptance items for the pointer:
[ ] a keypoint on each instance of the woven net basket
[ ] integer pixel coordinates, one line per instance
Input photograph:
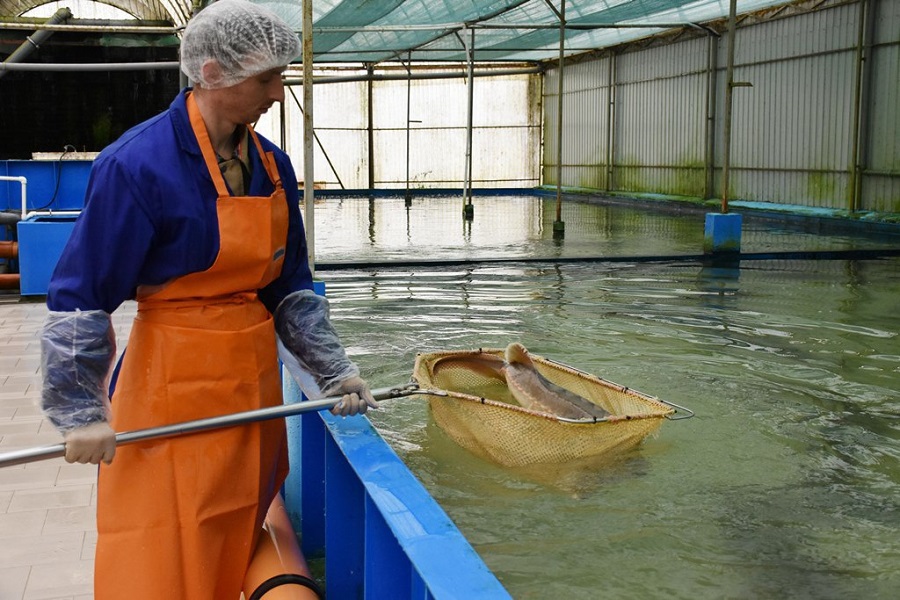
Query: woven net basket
(481, 415)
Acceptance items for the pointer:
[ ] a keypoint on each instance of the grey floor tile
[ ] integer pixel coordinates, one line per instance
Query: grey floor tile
(13, 581)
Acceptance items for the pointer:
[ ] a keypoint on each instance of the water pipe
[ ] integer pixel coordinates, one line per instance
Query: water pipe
(33, 41)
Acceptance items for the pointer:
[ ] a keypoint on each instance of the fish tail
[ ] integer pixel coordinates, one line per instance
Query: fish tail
(516, 353)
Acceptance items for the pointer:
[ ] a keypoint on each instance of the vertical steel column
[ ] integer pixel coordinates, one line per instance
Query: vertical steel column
(308, 167)
(711, 95)
(610, 116)
(729, 88)
(559, 227)
(370, 73)
(408, 196)
(860, 97)
(468, 207)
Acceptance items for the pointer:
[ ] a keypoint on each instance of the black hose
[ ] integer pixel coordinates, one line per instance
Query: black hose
(286, 579)
(66, 150)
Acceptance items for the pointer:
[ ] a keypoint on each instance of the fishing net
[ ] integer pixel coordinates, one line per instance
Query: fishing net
(480, 413)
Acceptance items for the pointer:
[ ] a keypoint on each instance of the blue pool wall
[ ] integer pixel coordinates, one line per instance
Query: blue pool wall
(354, 500)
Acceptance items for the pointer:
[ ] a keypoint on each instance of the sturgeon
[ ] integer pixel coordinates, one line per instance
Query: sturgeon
(533, 390)
(529, 388)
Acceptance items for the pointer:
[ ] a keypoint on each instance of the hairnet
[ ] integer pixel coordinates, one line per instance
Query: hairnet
(245, 39)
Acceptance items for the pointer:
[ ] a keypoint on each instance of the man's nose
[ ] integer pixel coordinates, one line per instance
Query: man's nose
(276, 90)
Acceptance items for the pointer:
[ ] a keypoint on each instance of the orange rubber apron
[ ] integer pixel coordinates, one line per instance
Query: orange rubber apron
(180, 518)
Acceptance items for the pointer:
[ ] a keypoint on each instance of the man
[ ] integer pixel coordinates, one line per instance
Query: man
(197, 218)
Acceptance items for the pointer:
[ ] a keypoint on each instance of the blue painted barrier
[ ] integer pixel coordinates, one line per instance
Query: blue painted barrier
(383, 535)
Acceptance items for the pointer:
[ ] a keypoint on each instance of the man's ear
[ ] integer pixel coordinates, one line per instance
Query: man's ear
(211, 71)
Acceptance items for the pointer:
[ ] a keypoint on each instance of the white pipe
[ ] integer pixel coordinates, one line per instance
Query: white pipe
(75, 67)
(24, 183)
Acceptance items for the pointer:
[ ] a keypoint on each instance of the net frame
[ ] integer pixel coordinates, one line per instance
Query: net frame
(514, 436)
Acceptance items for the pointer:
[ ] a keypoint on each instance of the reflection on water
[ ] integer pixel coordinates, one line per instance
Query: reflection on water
(785, 484)
(380, 229)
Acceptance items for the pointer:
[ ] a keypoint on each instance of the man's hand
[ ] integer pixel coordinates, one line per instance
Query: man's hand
(91, 444)
(357, 398)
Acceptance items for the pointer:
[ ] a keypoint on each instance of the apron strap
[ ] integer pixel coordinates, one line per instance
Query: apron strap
(206, 148)
(209, 156)
(268, 160)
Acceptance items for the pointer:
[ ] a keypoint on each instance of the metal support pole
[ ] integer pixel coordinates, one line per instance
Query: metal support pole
(559, 227)
(468, 207)
(860, 97)
(308, 150)
(407, 195)
(729, 89)
(610, 117)
(711, 95)
(370, 71)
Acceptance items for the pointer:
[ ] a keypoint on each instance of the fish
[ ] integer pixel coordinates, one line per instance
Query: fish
(526, 384)
(534, 391)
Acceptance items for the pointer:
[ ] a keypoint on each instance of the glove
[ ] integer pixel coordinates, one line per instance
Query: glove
(309, 347)
(91, 444)
(77, 352)
(357, 398)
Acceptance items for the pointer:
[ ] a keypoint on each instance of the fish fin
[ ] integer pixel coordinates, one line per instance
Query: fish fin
(516, 353)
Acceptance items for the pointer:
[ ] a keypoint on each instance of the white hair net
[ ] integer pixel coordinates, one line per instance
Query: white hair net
(245, 39)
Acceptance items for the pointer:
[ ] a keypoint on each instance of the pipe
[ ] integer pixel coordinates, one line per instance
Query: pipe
(450, 75)
(78, 28)
(33, 42)
(9, 281)
(9, 249)
(278, 570)
(24, 183)
(78, 67)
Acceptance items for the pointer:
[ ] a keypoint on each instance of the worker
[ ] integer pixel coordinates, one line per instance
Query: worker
(197, 218)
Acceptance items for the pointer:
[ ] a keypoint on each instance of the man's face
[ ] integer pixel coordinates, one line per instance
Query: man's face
(249, 99)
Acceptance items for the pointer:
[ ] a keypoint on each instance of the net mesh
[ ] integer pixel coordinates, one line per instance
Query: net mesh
(480, 413)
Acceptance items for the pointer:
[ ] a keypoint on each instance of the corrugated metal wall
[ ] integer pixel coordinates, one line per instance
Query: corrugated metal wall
(793, 131)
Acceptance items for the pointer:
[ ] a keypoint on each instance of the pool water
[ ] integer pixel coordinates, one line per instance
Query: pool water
(785, 484)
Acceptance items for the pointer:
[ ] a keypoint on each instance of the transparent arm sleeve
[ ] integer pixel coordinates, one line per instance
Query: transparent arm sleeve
(309, 346)
(77, 352)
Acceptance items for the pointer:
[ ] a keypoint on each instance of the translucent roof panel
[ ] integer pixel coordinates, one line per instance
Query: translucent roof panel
(440, 30)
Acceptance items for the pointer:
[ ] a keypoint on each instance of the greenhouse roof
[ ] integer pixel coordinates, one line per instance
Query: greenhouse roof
(439, 30)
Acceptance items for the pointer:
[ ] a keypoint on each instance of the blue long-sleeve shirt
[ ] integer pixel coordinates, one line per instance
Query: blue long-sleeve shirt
(150, 216)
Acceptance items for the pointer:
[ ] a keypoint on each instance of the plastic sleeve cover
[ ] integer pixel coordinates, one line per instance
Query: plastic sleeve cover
(77, 352)
(305, 331)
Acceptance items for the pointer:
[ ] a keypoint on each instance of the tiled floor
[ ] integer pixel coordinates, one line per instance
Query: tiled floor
(47, 532)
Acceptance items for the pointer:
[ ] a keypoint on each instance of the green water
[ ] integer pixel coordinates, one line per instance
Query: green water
(785, 485)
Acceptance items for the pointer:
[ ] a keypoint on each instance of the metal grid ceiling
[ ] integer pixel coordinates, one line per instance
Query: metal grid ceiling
(437, 30)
